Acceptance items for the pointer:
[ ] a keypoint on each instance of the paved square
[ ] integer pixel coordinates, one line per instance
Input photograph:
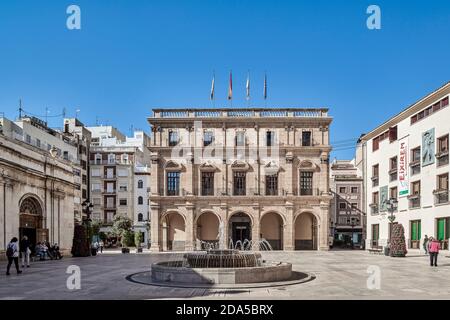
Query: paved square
(339, 275)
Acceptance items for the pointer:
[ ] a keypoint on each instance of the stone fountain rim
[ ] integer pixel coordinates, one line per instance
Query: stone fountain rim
(254, 285)
(266, 265)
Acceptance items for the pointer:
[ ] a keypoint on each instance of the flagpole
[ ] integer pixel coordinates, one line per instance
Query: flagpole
(248, 89)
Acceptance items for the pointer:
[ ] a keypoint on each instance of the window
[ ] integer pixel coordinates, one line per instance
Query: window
(430, 110)
(375, 234)
(415, 231)
(173, 183)
(208, 138)
(207, 183)
(375, 144)
(342, 189)
(393, 169)
(96, 201)
(96, 187)
(125, 158)
(140, 217)
(342, 205)
(95, 173)
(140, 184)
(272, 185)
(306, 183)
(173, 138)
(354, 206)
(28, 139)
(415, 161)
(443, 231)
(84, 194)
(375, 172)
(306, 139)
(393, 193)
(375, 198)
(123, 202)
(84, 179)
(239, 183)
(354, 189)
(442, 151)
(98, 159)
(442, 182)
(393, 134)
(66, 155)
(111, 158)
(140, 200)
(123, 188)
(270, 138)
(415, 187)
(240, 139)
(38, 143)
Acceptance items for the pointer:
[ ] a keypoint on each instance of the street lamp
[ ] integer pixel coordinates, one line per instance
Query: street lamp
(391, 206)
(87, 208)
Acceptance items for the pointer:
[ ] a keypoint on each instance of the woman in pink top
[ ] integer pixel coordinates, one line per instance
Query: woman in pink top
(433, 249)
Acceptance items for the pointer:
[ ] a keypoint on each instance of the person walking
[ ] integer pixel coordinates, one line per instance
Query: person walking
(425, 244)
(25, 251)
(102, 244)
(433, 249)
(12, 253)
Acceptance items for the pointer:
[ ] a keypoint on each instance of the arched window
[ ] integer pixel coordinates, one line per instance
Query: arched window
(140, 217)
(140, 184)
(140, 200)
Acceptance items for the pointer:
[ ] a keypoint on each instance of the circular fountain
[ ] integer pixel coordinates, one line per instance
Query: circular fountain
(221, 267)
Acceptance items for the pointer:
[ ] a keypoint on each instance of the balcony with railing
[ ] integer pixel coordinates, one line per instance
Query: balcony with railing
(242, 113)
(442, 158)
(414, 201)
(441, 196)
(247, 192)
(109, 191)
(374, 208)
(375, 180)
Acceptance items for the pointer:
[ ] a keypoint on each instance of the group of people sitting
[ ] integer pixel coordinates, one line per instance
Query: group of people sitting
(45, 251)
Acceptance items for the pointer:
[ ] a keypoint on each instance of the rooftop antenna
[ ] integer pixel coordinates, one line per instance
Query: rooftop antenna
(20, 108)
(64, 112)
(46, 115)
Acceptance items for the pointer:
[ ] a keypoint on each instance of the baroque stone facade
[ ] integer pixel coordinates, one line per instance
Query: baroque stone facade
(224, 176)
(36, 195)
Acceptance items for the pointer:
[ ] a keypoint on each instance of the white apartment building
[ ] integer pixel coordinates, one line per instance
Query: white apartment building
(114, 160)
(142, 176)
(406, 158)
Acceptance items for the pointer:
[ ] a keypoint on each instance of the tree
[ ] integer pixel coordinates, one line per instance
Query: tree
(121, 226)
(138, 238)
(398, 243)
(80, 245)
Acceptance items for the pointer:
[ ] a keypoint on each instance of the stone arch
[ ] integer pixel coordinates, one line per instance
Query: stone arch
(31, 218)
(306, 233)
(173, 224)
(272, 228)
(207, 229)
(240, 224)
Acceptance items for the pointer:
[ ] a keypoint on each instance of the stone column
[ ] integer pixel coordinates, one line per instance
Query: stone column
(288, 174)
(256, 226)
(154, 228)
(323, 227)
(154, 181)
(3, 240)
(189, 244)
(289, 228)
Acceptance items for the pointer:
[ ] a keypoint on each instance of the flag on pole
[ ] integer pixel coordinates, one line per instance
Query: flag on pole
(247, 86)
(230, 88)
(212, 88)
(265, 86)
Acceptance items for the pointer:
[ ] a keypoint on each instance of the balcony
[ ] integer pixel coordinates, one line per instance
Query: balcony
(110, 207)
(442, 158)
(414, 201)
(415, 167)
(109, 177)
(441, 196)
(375, 180)
(374, 208)
(241, 113)
(393, 175)
(109, 191)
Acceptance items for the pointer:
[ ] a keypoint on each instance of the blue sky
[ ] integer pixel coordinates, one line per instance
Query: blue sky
(131, 56)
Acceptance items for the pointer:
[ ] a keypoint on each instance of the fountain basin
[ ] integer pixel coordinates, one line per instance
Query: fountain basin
(222, 259)
(174, 272)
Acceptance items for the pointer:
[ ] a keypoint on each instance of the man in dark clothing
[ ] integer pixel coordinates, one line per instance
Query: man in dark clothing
(25, 251)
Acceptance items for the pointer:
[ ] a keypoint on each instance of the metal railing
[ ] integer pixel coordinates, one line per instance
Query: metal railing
(441, 196)
(414, 201)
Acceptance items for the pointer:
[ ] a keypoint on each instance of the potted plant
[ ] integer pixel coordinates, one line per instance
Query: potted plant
(122, 228)
(138, 239)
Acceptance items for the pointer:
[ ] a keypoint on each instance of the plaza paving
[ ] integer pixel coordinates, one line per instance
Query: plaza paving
(339, 275)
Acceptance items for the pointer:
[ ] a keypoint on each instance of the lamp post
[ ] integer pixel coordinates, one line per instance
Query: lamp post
(391, 206)
(87, 208)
